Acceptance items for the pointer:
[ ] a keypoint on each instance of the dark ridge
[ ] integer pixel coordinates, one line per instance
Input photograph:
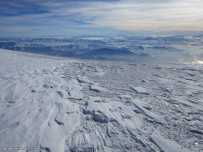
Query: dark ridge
(108, 51)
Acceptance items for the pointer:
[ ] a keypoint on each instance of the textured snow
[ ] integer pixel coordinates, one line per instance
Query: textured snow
(167, 145)
(70, 105)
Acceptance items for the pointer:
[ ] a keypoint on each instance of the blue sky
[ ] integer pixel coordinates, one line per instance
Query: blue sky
(98, 17)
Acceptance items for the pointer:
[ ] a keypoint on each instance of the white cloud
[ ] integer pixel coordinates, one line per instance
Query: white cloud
(179, 15)
(137, 15)
(130, 15)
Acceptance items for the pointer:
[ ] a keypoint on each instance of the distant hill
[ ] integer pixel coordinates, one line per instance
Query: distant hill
(107, 52)
(7, 45)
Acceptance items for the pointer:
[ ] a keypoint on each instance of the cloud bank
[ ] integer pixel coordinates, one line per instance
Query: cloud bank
(88, 16)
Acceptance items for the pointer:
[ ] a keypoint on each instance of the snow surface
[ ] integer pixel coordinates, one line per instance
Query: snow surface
(71, 105)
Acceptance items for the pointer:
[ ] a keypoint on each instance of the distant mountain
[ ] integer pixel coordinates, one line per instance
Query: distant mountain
(168, 39)
(139, 47)
(7, 45)
(121, 48)
(160, 47)
(107, 52)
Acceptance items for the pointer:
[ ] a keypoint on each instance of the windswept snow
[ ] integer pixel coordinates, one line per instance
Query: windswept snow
(66, 105)
(166, 144)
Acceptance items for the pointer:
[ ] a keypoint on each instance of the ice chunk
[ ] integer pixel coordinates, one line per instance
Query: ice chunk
(97, 88)
(140, 90)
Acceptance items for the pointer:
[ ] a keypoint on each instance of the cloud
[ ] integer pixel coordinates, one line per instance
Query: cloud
(127, 15)
(135, 15)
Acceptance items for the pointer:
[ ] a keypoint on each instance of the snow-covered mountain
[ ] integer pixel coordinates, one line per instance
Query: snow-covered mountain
(156, 49)
(71, 105)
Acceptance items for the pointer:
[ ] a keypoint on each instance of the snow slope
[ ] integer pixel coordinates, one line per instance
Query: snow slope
(66, 105)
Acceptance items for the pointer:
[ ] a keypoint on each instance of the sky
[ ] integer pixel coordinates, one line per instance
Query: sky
(42, 18)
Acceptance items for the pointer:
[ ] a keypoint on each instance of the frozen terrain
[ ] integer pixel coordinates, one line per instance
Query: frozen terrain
(142, 49)
(72, 105)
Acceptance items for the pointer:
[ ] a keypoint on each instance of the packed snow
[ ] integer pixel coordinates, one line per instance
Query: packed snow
(72, 105)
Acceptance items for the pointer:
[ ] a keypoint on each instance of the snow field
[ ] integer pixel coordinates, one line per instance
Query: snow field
(86, 106)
